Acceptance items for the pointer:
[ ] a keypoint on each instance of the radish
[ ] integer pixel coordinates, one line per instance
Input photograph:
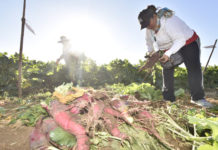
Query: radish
(68, 123)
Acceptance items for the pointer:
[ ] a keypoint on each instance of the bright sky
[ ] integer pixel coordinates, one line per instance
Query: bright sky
(103, 29)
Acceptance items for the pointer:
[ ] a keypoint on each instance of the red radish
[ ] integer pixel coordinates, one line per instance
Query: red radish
(122, 106)
(37, 138)
(64, 120)
(48, 125)
(115, 113)
(85, 97)
(95, 112)
(124, 97)
(79, 104)
(75, 110)
(112, 128)
(152, 130)
(146, 114)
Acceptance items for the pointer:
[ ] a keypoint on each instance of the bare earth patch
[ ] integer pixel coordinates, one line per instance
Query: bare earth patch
(14, 137)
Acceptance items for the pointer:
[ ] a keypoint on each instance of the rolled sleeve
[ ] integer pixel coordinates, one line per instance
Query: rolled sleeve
(175, 29)
(149, 41)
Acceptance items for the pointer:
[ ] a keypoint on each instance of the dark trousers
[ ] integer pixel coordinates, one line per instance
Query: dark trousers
(191, 56)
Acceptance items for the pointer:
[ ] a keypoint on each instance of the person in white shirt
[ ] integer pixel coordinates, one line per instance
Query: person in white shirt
(73, 60)
(170, 34)
(66, 50)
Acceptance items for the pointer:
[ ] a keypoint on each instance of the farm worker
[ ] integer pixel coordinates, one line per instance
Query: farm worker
(167, 32)
(73, 60)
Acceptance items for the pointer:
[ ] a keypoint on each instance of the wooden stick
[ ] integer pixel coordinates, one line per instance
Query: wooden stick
(210, 55)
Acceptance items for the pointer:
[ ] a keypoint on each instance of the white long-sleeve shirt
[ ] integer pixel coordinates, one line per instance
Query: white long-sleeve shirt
(172, 35)
(67, 50)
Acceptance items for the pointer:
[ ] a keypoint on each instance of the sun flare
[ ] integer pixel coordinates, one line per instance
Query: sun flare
(90, 36)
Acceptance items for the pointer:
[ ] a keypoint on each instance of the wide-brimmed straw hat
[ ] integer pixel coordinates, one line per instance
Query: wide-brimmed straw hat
(63, 39)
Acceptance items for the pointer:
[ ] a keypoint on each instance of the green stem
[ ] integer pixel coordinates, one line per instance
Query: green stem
(193, 146)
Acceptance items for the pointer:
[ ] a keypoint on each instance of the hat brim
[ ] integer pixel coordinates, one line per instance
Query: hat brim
(61, 41)
(144, 25)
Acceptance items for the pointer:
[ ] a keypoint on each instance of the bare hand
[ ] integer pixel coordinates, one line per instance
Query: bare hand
(164, 58)
(57, 62)
(149, 54)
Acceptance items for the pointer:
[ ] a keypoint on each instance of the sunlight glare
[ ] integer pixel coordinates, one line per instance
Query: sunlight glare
(90, 36)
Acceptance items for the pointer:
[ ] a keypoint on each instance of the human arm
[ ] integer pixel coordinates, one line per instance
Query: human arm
(177, 30)
(149, 42)
(164, 58)
(58, 60)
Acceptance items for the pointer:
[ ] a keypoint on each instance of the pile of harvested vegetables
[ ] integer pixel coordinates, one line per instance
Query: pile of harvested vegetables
(84, 119)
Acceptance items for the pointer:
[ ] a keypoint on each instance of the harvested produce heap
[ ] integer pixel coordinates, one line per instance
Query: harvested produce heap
(89, 119)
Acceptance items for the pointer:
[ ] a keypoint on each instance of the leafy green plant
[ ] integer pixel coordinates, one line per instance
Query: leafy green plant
(210, 124)
(29, 116)
(39, 76)
(210, 77)
(145, 90)
(180, 92)
(62, 137)
(64, 88)
(104, 139)
(140, 139)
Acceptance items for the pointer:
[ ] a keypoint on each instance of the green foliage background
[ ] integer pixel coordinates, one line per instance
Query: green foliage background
(39, 76)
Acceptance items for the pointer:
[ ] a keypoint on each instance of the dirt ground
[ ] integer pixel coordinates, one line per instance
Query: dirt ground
(14, 137)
